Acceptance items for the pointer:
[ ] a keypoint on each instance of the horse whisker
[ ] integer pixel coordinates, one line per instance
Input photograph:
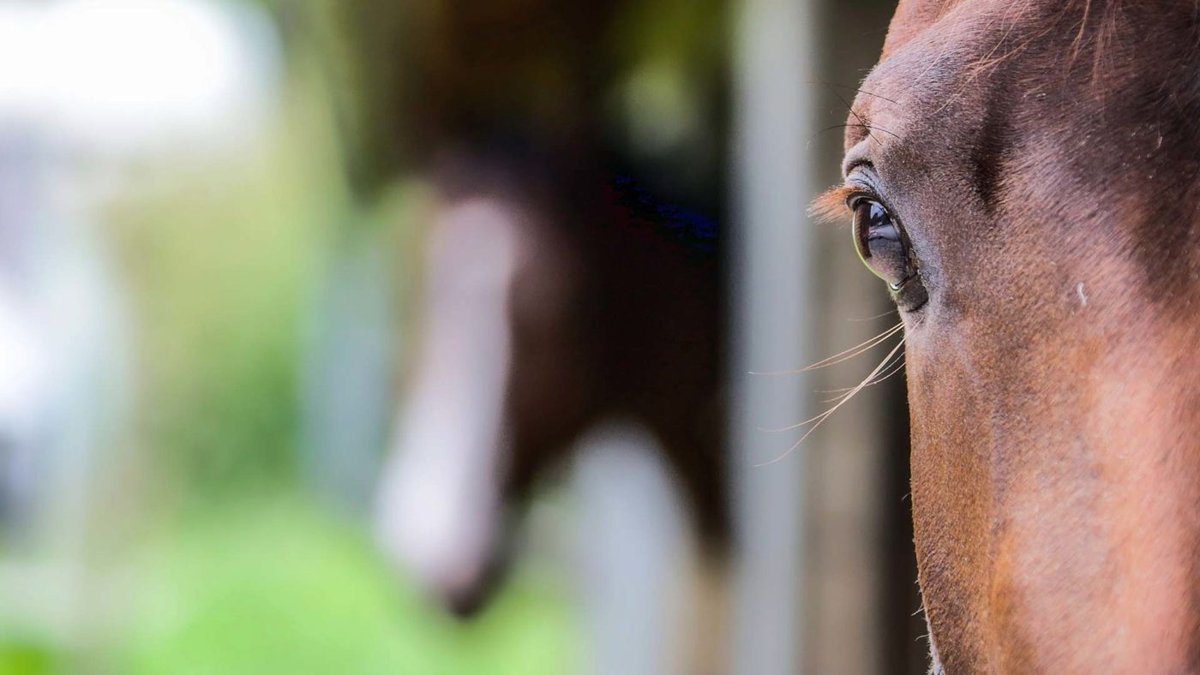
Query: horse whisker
(862, 91)
(861, 120)
(890, 374)
(880, 380)
(889, 370)
(840, 357)
(819, 419)
(868, 127)
(873, 318)
(855, 351)
(893, 367)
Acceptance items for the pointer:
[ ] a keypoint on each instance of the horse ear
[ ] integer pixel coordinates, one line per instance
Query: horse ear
(911, 18)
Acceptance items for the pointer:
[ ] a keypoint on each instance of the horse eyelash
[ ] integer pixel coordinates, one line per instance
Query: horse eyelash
(831, 205)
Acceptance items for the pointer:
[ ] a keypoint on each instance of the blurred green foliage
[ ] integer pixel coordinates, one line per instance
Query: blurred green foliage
(26, 658)
(222, 261)
(234, 567)
(275, 586)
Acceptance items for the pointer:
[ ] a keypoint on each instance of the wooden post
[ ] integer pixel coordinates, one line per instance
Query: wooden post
(772, 320)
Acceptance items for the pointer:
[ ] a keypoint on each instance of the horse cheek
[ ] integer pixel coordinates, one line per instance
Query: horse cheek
(951, 499)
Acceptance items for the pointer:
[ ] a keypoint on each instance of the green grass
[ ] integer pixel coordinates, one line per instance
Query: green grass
(279, 588)
(19, 657)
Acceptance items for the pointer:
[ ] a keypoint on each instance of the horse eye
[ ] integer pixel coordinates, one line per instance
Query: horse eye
(885, 250)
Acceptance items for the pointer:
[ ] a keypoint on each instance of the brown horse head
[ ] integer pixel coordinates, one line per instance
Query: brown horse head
(1024, 176)
(547, 310)
(500, 386)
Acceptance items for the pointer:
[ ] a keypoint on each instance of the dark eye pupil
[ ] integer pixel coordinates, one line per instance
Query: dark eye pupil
(880, 224)
(874, 231)
(885, 251)
(880, 243)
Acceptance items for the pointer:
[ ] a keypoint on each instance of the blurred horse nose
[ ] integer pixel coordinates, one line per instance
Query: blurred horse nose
(438, 522)
(440, 504)
(467, 600)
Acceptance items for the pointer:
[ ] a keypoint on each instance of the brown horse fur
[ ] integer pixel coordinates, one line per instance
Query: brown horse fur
(1043, 157)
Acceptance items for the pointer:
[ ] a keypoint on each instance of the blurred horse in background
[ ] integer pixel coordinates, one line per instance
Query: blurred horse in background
(556, 296)
(533, 332)
(1024, 177)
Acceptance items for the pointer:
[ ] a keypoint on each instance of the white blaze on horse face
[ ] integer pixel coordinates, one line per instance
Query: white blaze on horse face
(440, 504)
